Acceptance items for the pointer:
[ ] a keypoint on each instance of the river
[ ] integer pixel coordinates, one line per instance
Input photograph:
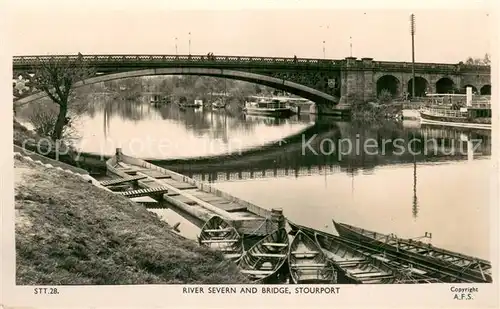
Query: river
(444, 192)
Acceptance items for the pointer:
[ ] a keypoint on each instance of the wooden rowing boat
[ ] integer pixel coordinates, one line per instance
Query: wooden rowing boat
(264, 260)
(218, 234)
(198, 199)
(358, 265)
(307, 263)
(466, 268)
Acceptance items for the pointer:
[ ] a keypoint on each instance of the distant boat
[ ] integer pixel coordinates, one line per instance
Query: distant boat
(476, 114)
(195, 104)
(274, 108)
(478, 118)
(218, 104)
(218, 234)
(307, 262)
(264, 260)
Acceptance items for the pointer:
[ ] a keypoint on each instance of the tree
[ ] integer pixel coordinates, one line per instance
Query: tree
(385, 97)
(56, 77)
(486, 59)
(477, 61)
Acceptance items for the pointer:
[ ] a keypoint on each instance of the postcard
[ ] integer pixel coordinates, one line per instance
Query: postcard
(237, 154)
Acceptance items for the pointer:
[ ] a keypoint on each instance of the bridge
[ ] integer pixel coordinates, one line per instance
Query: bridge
(332, 84)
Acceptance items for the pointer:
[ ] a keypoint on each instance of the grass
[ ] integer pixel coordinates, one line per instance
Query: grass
(69, 232)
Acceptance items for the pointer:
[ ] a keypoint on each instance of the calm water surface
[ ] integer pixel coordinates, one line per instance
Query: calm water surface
(444, 193)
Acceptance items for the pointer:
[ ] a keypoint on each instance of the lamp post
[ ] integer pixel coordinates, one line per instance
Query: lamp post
(412, 31)
(325, 33)
(189, 43)
(350, 46)
(176, 46)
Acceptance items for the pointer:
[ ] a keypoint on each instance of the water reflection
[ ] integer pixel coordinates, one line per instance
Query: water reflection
(145, 131)
(426, 144)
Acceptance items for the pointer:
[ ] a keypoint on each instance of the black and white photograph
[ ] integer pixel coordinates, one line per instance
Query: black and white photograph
(292, 151)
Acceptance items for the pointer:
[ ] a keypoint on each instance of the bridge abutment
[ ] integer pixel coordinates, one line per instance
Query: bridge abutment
(357, 81)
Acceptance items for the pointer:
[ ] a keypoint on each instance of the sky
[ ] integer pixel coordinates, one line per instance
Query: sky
(131, 27)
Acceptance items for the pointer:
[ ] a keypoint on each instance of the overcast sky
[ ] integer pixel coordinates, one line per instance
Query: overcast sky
(442, 35)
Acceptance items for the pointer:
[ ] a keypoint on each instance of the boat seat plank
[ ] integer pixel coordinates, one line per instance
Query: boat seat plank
(256, 272)
(305, 252)
(232, 256)
(351, 262)
(371, 275)
(218, 230)
(275, 244)
(269, 255)
(308, 265)
(209, 241)
(121, 180)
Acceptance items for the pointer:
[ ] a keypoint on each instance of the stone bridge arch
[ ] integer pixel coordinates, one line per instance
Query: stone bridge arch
(388, 82)
(317, 96)
(421, 86)
(463, 90)
(445, 84)
(485, 90)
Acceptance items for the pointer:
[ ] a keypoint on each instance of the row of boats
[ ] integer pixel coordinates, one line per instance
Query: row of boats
(302, 254)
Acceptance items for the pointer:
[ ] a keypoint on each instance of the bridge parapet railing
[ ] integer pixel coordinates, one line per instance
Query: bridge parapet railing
(97, 59)
(33, 60)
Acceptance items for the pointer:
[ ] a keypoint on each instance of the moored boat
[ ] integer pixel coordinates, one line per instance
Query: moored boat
(466, 268)
(264, 260)
(199, 200)
(218, 234)
(274, 108)
(307, 262)
(471, 117)
(360, 265)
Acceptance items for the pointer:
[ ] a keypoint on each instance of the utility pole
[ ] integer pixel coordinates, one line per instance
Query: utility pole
(412, 30)
(176, 46)
(189, 43)
(324, 52)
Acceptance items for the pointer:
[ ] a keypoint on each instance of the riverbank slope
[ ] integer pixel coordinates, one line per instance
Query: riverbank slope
(70, 232)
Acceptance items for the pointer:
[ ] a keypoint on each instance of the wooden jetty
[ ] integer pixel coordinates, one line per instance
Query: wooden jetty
(264, 260)
(218, 234)
(196, 198)
(307, 263)
(467, 268)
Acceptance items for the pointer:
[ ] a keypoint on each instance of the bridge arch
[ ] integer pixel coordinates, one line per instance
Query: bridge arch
(421, 86)
(390, 83)
(486, 90)
(445, 85)
(474, 88)
(312, 94)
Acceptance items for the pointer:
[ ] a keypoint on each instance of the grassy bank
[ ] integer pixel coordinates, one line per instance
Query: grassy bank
(71, 232)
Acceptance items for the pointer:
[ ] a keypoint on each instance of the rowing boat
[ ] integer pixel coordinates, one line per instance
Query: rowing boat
(196, 198)
(264, 260)
(307, 262)
(466, 268)
(218, 234)
(360, 265)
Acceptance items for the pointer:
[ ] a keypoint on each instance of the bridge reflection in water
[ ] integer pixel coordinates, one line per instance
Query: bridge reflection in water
(293, 159)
